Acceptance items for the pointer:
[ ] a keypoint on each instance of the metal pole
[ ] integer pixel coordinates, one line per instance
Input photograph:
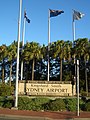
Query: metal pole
(23, 34)
(76, 63)
(48, 41)
(77, 87)
(73, 35)
(73, 29)
(73, 32)
(17, 67)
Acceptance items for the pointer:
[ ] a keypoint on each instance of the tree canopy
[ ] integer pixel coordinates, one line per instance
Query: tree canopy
(61, 55)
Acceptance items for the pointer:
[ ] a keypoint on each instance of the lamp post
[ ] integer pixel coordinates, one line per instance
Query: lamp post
(77, 61)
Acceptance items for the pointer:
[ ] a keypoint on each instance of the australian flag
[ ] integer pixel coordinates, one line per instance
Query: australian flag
(25, 16)
(54, 13)
(77, 15)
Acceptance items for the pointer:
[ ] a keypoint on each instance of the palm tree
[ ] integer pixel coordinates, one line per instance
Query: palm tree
(58, 51)
(61, 50)
(11, 57)
(3, 53)
(43, 62)
(85, 54)
(32, 51)
(67, 50)
(80, 48)
(67, 58)
(82, 53)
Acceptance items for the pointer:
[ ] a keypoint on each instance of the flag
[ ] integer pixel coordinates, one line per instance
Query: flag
(54, 13)
(77, 15)
(25, 16)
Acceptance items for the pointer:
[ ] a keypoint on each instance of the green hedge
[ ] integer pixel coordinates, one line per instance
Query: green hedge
(55, 105)
(59, 104)
(87, 106)
(6, 90)
(2, 99)
(70, 104)
(6, 102)
(27, 103)
(40, 103)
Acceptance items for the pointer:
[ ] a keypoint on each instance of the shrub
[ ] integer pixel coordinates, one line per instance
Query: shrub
(82, 104)
(38, 103)
(26, 103)
(23, 103)
(6, 102)
(87, 106)
(1, 101)
(6, 90)
(70, 104)
(55, 105)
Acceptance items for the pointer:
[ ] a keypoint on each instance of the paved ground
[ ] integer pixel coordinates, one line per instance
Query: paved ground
(8, 114)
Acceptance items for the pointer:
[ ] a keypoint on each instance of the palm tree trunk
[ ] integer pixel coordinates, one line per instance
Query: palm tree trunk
(10, 74)
(86, 79)
(27, 71)
(3, 71)
(33, 69)
(3, 74)
(60, 69)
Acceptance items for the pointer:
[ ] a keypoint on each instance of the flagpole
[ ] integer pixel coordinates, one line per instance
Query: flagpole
(73, 24)
(17, 67)
(48, 42)
(73, 31)
(76, 63)
(23, 34)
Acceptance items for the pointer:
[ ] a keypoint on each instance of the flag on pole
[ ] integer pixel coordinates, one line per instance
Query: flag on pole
(54, 13)
(25, 16)
(77, 15)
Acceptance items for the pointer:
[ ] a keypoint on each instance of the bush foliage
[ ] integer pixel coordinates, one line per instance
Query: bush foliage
(87, 106)
(6, 90)
(40, 103)
(70, 104)
(6, 102)
(27, 103)
(55, 105)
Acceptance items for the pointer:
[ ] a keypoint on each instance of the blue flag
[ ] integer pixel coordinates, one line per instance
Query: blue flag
(54, 13)
(25, 16)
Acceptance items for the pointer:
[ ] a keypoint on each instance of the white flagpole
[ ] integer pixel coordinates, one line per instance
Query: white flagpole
(17, 67)
(73, 32)
(76, 71)
(48, 42)
(73, 24)
(23, 34)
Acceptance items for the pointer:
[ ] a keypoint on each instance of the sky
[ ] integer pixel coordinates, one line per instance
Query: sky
(37, 12)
